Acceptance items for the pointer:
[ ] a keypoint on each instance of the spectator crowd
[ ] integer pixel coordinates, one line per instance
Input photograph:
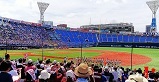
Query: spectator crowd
(27, 70)
(23, 34)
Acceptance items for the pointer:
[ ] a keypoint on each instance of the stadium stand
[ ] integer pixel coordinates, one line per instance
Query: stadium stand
(26, 34)
(75, 38)
(21, 34)
(15, 33)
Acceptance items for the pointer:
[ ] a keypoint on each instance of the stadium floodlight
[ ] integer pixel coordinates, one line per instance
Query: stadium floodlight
(153, 5)
(42, 7)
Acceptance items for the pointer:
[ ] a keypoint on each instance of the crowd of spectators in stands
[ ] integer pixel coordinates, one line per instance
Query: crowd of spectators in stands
(25, 70)
(23, 34)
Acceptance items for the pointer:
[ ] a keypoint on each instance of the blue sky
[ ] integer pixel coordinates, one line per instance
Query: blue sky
(78, 12)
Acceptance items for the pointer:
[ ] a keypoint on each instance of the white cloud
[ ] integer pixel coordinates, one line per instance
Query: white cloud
(78, 12)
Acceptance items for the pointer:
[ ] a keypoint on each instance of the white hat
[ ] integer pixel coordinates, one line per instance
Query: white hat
(30, 61)
(48, 69)
(137, 77)
(42, 65)
(54, 61)
(44, 75)
(14, 74)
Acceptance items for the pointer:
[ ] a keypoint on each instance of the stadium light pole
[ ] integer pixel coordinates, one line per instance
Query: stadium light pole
(79, 36)
(81, 52)
(131, 55)
(42, 7)
(5, 31)
(153, 5)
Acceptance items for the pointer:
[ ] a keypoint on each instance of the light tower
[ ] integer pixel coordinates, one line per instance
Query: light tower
(42, 7)
(153, 5)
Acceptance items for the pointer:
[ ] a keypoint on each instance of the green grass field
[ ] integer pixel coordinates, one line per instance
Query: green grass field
(75, 52)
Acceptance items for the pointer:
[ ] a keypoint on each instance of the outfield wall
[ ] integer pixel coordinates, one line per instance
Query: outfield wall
(135, 45)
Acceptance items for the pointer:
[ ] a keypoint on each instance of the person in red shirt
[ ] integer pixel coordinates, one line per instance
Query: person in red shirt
(29, 69)
(30, 65)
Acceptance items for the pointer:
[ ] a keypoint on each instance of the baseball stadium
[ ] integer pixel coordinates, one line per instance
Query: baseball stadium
(103, 45)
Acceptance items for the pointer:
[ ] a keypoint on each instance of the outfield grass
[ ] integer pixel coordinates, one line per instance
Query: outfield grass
(152, 53)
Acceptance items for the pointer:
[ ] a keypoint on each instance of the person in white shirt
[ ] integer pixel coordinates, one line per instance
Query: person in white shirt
(115, 74)
(70, 72)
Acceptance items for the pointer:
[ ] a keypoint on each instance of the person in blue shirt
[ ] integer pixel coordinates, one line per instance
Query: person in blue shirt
(4, 69)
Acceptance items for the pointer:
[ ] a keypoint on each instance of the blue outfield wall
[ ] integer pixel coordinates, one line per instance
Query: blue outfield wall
(121, 44)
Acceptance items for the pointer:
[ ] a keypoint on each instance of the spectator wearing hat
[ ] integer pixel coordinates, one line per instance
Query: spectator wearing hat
(136, 78)
(4, 75)
(44, 76)
(83, 73)
(54, 62)
(30, 71)
(30, 65)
